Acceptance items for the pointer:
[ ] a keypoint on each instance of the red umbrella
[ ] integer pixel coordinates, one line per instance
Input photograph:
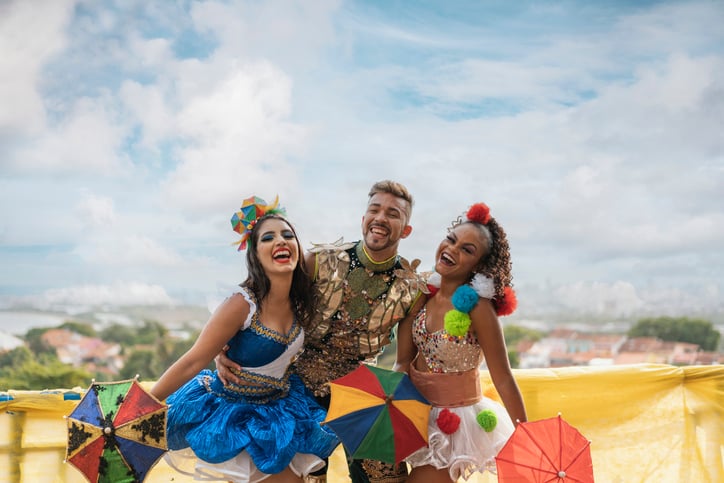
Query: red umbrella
(548, 450)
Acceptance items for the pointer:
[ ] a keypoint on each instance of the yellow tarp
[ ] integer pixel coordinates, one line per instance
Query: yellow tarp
(647, 423)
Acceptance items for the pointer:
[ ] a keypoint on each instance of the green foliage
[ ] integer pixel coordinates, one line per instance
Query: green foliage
(79, 328)
(515, 333)
(151, 332)
(682, 329)
(16, 357)
(35, 343)
(513, 358)
(149, 349)
(149, 364)
(144, 363)
(44, 372)
(120, 334)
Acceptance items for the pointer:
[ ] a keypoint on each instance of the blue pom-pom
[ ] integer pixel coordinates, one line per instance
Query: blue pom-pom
(464, 298)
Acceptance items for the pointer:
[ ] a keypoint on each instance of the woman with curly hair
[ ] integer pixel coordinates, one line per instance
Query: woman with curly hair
(443, 346)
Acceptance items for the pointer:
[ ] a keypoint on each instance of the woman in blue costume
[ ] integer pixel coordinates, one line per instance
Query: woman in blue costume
(268, 427)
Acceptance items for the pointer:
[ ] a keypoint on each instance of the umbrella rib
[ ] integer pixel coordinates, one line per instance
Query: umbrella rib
(542, 451)
(560, 438)
(578, 455)
(588, 443)
(518, 463)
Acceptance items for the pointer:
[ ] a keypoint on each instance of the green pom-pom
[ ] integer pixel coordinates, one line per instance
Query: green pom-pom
(487, 420)
(457, 323)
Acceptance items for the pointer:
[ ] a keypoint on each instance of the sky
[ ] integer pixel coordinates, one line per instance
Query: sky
(131, 130)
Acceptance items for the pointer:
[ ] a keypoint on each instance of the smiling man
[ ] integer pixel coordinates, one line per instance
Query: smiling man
(364, 292)
(364, 289)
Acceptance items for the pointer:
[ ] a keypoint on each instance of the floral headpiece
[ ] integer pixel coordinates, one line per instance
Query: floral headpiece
(252, 209)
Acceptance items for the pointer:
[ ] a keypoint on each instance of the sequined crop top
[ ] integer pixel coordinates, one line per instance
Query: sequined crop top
(444, 352)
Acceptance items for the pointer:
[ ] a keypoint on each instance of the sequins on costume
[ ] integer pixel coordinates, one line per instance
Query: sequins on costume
(264, 425)
(360, 301)
(470, 448)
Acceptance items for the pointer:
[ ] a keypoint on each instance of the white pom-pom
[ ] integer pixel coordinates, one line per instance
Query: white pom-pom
(434, 280)
(484, 286)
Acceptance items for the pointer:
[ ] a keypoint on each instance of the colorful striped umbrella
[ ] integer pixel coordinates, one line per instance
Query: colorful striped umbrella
(378, 414)
(116, 433)
(251, 210)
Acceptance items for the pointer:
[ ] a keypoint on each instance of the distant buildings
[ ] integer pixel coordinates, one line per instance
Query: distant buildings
(561, 347)
(566, 347)
(91, 353)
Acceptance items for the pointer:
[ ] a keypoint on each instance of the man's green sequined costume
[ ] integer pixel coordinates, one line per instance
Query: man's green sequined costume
(360, 302)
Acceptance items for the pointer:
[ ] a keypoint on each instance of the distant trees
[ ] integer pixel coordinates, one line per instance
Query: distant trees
(681, 329)
(81, 328)
(514, 334)
(153, 351)
(149, 349)
(149, 333)
(21, 370)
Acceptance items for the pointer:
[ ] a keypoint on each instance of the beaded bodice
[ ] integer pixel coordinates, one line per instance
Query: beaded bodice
(258, 345)
(265, 356)
(444, 352)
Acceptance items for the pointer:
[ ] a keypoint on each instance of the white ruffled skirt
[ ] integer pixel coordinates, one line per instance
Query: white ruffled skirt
(470, 448)
(240, 469)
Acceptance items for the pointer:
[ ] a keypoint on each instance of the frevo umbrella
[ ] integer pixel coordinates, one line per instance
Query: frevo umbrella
(251, 210)
(116, 433)
(547, 450)
(378, 414)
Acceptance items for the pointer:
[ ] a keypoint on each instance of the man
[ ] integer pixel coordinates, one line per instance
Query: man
(364, 289)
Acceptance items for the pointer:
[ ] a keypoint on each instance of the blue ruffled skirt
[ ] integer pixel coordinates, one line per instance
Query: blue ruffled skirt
(220, 426)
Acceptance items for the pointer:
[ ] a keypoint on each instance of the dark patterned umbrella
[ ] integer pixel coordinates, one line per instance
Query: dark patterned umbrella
(116, 433)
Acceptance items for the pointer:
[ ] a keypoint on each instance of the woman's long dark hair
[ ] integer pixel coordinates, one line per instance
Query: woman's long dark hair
(301, 292)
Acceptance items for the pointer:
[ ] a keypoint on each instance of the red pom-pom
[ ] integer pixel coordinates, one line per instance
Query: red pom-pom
(432, 290)
(506, 304)
(479, 213)
(448, 421)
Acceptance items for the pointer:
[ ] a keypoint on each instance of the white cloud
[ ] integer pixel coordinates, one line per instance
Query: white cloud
(239, 140)
(600, 151)
(617, 299)
(119, 293)
(68, 147)
(27, 41)
(121, 251)
(97, 211)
